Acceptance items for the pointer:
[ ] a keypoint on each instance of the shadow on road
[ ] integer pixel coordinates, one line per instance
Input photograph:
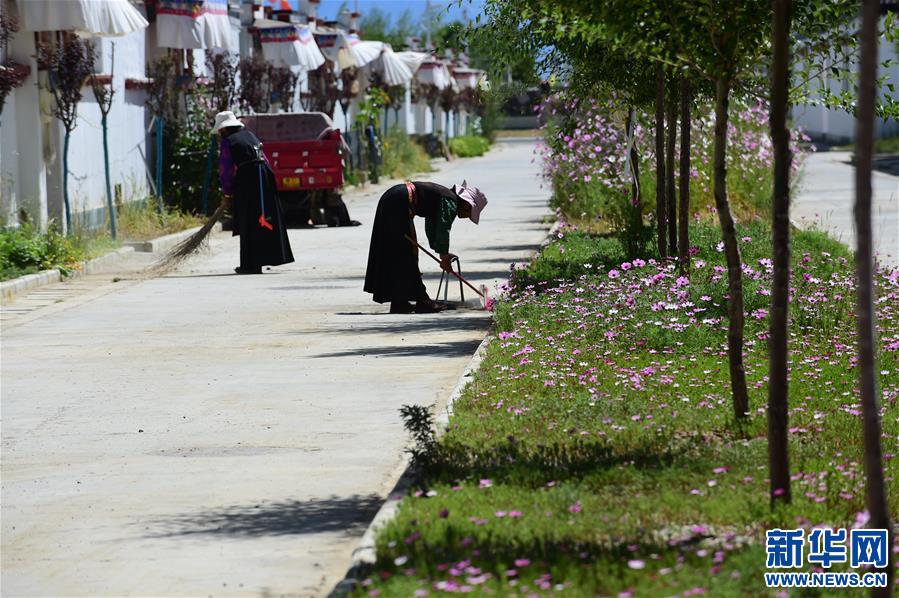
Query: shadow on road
(450, 349)
(349, 515)
(409, 326)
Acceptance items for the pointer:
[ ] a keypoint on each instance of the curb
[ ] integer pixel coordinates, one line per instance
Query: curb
(11, 289)
(17, 286)
(166, 242)
(365, 555)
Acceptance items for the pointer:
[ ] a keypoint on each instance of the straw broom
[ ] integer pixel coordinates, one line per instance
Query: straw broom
(192, 244)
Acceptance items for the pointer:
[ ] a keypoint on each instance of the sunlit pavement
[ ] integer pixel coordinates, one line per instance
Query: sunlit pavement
(212, 434)
(826, 198)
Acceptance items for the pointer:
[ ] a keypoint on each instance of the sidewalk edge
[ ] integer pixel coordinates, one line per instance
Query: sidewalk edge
(365, 554)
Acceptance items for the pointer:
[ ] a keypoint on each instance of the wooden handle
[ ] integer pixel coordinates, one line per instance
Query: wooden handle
(437, 259)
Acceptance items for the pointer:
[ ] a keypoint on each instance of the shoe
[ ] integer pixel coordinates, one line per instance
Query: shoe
(401, 307)
(242, 270)
(429, 307)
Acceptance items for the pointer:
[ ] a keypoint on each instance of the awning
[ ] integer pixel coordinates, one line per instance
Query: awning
(330, 41)
(363, 52)
(467, 78)
(392, 69)
(413, 60)
(194, 24)
(286, 44)
(87, 17)
(434, 73)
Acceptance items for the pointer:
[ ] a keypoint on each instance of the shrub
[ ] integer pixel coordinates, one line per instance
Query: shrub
(401, 156)
(468, 146)
(24, 250)
(583, 153)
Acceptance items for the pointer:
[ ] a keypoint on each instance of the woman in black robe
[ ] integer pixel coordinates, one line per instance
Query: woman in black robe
(393, 274)
(258, 218)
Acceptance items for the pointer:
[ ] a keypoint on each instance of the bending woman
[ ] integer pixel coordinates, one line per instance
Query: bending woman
(393, 274)
(245, 173)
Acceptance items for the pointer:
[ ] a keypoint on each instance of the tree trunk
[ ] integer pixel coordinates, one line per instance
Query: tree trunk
(110, 204)
(731, 252)
(670, 189)
(778, 388)
(660, 162)
(632, 167)
(683, 243)
(160, 129)
(65, 181)
(864, 140)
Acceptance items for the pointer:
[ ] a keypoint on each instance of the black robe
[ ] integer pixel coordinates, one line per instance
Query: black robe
(393, 274)
(255, 192)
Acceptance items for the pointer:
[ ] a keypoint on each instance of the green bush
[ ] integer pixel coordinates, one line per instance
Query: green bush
(469, 146)
(402, 157)
(26, 251)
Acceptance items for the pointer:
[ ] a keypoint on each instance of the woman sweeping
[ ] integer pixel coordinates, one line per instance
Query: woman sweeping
(393, 274)
(246, 175)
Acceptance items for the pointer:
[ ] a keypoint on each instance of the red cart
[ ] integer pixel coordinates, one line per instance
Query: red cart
(305, 152)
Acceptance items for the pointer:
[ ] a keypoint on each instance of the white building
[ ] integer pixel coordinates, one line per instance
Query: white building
(838, 126)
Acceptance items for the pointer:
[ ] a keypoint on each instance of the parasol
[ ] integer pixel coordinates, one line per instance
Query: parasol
(101, 18)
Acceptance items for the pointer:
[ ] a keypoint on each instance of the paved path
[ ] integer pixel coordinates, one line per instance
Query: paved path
(826, 198)
(212, 434)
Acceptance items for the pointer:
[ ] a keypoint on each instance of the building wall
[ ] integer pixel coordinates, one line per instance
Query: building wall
(839, 126)
(126, 135)
(31, 140)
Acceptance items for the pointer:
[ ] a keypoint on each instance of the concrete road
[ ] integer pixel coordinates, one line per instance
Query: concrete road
(212, 434)
(826, 198)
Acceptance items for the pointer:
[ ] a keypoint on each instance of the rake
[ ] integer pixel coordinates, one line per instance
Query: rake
(481, 293)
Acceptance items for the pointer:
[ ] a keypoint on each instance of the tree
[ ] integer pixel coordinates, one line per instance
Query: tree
(671, 142)
(661, 187)
(223, 84)
(255, 84)
(778, 359)
(864, 146)
(686, 105)
(104, 95)
(283, 85)
(69, 64)
(377, 25)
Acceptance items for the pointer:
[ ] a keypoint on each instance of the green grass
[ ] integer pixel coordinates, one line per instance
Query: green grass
(141, 220)
(596, 444)
(469, 146)
(24, 250)
(887, 145)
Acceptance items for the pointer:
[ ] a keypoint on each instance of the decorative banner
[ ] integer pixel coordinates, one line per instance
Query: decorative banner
(102, 18)
(284, 44)
(194, 24)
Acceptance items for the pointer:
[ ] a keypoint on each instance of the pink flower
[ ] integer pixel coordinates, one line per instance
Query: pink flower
(636, 564)
(485, 483)
(575, 508)
(522, 563)
(614, 273)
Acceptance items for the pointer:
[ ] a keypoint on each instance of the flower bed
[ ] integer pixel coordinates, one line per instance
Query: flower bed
(595, 450)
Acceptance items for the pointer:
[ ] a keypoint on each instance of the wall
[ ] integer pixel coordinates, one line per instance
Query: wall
(126, 135)
(838, 126)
